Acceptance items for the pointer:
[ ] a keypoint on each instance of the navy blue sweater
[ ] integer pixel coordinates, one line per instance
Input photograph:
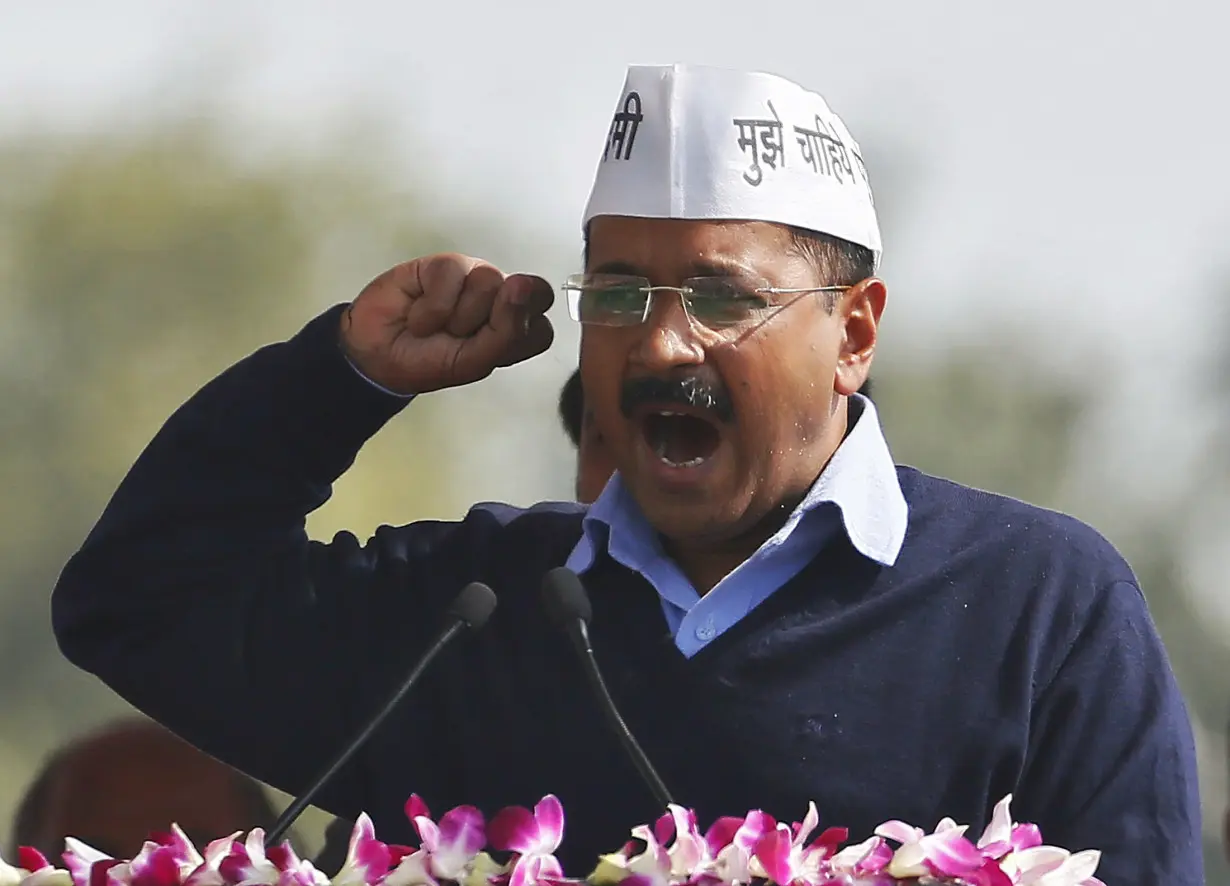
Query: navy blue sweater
(1008, 650)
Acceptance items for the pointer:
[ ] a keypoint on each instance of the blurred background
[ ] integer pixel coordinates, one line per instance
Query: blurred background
(182, 182)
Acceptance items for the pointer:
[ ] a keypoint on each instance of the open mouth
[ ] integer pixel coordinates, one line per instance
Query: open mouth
(680, 440)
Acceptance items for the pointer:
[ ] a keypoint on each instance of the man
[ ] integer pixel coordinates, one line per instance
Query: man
(116, 786)
(594, 462)
(780, 613)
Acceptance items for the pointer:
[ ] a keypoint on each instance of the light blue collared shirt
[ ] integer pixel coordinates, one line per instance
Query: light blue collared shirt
(859, 482)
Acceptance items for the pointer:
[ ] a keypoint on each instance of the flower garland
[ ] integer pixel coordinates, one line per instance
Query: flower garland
(755, 850)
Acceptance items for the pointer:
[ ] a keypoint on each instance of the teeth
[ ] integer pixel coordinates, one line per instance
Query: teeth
(659, 448)
(660, 451)
(690, 463)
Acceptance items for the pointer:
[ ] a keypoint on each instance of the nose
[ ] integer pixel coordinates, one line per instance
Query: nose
(668, 338)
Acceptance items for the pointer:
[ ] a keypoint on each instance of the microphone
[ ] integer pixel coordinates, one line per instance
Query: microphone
(569, 608)
(470, 609)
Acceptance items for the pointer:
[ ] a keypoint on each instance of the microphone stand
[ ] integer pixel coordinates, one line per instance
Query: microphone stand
(470, 609)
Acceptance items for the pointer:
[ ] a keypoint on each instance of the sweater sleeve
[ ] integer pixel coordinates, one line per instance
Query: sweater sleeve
(1112, 763)
(199, 598)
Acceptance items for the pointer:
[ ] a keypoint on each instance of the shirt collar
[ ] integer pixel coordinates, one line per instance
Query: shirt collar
(860, 479)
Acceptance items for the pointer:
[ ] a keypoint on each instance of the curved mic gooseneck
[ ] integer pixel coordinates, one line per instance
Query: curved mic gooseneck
(568, 606)
(470, 609)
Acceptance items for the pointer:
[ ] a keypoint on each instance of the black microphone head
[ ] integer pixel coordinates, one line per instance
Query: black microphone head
(473, 605)
(565, 598)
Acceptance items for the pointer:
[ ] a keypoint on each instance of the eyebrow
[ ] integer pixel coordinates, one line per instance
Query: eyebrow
(714, 267)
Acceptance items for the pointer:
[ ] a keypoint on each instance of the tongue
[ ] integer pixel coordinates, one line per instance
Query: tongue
(681, 439)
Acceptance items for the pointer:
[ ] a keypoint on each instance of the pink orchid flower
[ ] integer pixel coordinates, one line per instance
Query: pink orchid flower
(32, 869)
(246, 863)
(988, 873)
(367, 859)
(1052, 866)
(166, 859)
(724, 855)
(652, 867)
(733, 852)
(450, 849)
(296, 871)
(723, 832)
(1003, 836)
(1028, 865)
(732, 843)
(786, 857)
(413, 869)
(249, 864)
(534, 836)
(689, 853)
(89, 867)
(863, 860)
(946, 851)
(155, 865)
(209, 873)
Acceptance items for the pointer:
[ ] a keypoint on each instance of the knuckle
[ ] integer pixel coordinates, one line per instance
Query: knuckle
(455, 259)
(445, 273)
(484, 277)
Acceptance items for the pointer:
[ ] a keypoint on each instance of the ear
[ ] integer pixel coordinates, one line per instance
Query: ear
(859, 308)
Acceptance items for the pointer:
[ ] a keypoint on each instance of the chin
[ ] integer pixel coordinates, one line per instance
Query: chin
(697, 515)
(680, 522)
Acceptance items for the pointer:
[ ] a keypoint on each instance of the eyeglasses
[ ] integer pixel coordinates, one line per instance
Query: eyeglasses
(715, 302)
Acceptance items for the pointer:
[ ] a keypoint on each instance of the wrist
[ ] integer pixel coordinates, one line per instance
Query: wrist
(356, 364)
(375, 384)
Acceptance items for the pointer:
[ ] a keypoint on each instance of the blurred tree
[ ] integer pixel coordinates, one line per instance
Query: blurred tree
(1217, 373)
(980, 417)
(135, 266)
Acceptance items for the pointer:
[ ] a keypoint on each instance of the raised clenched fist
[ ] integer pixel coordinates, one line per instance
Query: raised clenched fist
(443, 321)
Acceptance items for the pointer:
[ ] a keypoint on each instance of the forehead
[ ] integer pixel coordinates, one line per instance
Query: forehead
(677, 247)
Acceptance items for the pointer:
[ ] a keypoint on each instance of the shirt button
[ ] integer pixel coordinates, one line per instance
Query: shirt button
(706, 632)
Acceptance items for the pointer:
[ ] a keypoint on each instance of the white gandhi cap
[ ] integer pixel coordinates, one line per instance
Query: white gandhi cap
(701, 143)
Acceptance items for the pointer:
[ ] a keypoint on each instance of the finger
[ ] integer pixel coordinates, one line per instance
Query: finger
(539, 335)
(521, 298)
(475, 302)
(438, 282)
(508, 323)
(539, 295)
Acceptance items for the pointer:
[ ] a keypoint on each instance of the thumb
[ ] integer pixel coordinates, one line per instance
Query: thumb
(516, 329)
(521, 299)
(525, 311)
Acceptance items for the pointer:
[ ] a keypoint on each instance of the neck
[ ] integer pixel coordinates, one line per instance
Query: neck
(707, 563)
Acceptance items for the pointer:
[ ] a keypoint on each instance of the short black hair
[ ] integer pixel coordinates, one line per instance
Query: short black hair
(841, 262)
(572, 407)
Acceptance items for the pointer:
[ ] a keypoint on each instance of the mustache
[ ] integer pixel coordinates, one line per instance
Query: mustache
(690, 390)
